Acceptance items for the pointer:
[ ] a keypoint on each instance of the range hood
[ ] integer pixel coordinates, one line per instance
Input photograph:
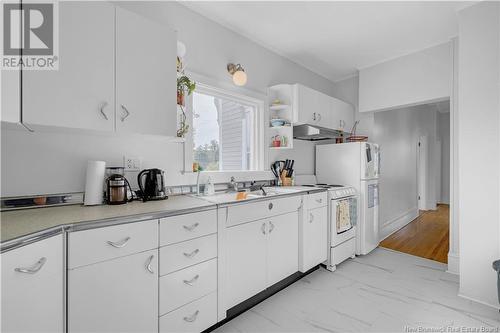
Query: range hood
(314, 133)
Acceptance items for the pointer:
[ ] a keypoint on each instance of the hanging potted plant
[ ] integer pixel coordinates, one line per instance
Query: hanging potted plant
(185, 87)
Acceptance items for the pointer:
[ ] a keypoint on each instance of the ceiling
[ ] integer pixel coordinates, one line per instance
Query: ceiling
(335, 39)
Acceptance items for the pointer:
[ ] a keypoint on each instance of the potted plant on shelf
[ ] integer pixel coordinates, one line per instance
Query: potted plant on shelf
(185, 87)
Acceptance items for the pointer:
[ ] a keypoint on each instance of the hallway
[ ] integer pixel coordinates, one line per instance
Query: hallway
(427, 236)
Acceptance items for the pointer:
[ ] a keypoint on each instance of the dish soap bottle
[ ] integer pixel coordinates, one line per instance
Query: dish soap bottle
(209, 187)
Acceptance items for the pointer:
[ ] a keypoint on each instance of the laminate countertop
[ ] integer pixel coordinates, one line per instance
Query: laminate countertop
(28, 225)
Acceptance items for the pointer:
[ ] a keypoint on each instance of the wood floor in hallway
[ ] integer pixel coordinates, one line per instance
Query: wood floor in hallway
(427, 236)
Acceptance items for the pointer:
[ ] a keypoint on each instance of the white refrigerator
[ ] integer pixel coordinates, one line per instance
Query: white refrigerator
(356, 164)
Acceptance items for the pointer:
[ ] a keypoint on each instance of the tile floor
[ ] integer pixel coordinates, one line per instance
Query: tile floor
(385, 291)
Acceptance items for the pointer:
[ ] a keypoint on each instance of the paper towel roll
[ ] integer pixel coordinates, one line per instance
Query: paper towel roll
(94, 183)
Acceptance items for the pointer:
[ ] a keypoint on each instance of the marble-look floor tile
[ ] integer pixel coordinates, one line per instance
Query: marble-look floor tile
(385, 291)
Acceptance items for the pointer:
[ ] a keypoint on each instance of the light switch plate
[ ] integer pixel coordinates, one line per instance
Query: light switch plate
(132, 163)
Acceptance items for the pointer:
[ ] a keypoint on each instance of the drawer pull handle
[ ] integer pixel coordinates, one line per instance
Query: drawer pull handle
(192, 254)
(271, 226)
(119, 244)
(263, 228)
(319, 200)
(148, 264)
(270, 205)
(35, 268)
(311, 217)
(192, 281)
(192, 318)
(191, 227)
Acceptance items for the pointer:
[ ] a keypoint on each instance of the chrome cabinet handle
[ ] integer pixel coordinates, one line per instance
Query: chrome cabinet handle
(192, 254)
(192, 318)
(148, 264)
(270, 206)
(314, 116)
(192, 281)
(319, 116)
(101, 109)
(319, 200)
(271, 226)
(191, 227)
(263, 228)
(311, 217)
(119, 244)
(127, 113)
(33, 269)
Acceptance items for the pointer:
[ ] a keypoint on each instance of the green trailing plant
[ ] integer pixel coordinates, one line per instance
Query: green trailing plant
(185, 86)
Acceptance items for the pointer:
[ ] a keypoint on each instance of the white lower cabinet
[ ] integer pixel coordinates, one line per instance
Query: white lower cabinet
(282, 247)
(245, 261)
(187, 285)
(259, 254)
(119, 295)
(32, 287)
(313, 241)
(193, 317)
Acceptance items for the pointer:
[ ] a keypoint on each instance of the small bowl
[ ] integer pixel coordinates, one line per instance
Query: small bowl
(277, 122)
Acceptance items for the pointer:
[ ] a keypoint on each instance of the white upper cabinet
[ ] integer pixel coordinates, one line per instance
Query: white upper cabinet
(315, 108)
(145, 75)
(81, 93)
(32, 287)
(103, 57)
(342, 115)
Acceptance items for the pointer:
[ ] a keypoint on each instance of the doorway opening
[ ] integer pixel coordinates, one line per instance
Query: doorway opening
(427, 235)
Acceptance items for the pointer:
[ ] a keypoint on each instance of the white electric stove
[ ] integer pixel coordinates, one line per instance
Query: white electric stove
(343, 215)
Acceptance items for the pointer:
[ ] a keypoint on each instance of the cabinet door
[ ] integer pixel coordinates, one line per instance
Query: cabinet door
(314, 238)
(75, 95)
(32, 287)
(282, 247)
(245, 261)
(342, 115)
(119, 295)
(146, 54)
(324, 112)
(306, 105)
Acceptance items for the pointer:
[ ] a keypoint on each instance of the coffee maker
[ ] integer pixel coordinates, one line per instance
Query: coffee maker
(117, 187)
(152, 184)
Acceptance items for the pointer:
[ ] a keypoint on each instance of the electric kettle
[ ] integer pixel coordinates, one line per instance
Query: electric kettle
(152, 184)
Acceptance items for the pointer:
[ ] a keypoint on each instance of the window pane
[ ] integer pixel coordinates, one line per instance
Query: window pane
(223, 133)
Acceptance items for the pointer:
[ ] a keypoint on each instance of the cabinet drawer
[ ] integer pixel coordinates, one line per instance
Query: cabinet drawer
(316, 200)
(184, 286)
(252, 211)
(91, 246)
(179, 228)
(32, 287)
(193, 317)
(188, 253)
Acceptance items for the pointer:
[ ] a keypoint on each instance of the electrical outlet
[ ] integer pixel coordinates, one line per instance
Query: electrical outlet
(132, 163)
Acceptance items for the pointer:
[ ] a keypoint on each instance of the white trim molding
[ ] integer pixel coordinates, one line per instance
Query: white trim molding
(453, 263)
(389, 227)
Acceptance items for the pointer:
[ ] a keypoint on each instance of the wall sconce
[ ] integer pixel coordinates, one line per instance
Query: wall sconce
(238, 73)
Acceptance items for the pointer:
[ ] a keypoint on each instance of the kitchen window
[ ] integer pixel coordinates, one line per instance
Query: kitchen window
(226, 130)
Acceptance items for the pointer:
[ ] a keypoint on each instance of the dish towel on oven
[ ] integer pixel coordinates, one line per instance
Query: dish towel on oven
(343, 216)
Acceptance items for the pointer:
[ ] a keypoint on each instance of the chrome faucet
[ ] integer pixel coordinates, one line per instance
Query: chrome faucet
(198, 182)
(233, 184)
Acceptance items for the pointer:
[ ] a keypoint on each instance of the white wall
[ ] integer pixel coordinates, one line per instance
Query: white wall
(53, 162)
(418, 78)
(444, 136)
(479, 148)
(398, 132)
